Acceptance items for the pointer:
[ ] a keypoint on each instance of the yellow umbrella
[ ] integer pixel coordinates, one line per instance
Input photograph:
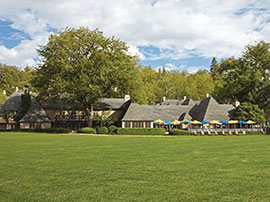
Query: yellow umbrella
(233, 121)
(176, 122)
(250, 122)
(196, 122)
(158, 121)
(215, 122)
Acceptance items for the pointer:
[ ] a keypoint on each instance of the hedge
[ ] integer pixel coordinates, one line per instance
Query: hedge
(141, 131)
(180, 132)
(112, 129)
(254, 133)
(102, 130)
(51, 130)
(87, 130)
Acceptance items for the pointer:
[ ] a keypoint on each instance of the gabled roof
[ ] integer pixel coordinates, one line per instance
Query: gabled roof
(105, 103)
(138, 112)
(111, 103)
(13, 103)
(209, 109)
(172, 102)
(35, 114)
(185, 115)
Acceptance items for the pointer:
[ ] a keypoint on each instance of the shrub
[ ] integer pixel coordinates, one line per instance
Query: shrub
(220, 133)
(254, 133)
(87, 130)
(234, 133)
(141, 131)
(51, 130)
(180, 132)
(102, 130)
(112, 129)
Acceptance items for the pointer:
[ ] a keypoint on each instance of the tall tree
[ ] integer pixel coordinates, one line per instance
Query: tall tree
(214, 68)
(248, 111)
(83, 65)
(248, 77)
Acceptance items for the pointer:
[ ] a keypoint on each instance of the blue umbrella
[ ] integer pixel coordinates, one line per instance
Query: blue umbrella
(166, 123)
(241, 123)
(203, 122)
(224, 122)
(186, 122)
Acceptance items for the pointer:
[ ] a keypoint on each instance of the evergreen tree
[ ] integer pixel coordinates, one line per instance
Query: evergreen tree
(214, 68)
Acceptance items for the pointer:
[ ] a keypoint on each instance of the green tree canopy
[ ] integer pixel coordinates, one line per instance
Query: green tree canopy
(248, 111)
(3, 97)
(12, 76)
(247, 78)
(83, 65)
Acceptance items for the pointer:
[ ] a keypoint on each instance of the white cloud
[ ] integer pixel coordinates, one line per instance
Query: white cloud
(180, 29)
(22, 55)
(170, 67)
(134, 51)
(194, 69)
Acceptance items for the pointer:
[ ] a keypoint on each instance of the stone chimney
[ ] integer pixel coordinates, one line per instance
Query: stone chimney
(127, 98)
(25, 88)
(164, 98)
(236, 103)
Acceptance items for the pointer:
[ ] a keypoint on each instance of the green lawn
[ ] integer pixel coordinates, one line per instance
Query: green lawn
(53, 167)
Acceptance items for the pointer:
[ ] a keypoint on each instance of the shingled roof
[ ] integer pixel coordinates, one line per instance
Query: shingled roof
(209, 109)
(13, 103)
(35, 114)
(105, 103)
(138, 112)
(111, 103)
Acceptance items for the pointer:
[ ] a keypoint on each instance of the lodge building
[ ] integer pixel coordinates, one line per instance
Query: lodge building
(43, 114)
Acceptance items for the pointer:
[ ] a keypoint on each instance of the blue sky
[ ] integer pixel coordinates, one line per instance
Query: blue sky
(175, 34)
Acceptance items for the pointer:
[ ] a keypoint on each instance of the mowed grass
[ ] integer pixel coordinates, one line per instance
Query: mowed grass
(53, 167)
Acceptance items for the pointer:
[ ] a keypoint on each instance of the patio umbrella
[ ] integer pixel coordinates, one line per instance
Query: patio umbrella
(185, 121)
(203, 122)
(196, 122)
(215, 122)
(175, 122)
(241, 123)
(233, 122)
(250, 122)
(224, 122)
(166, 123)
(158, 121)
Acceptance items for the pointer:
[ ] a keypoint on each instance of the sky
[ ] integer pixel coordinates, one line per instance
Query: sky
(175, 34)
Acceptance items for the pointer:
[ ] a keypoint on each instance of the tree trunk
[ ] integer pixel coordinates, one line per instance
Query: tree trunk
(89, 113)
